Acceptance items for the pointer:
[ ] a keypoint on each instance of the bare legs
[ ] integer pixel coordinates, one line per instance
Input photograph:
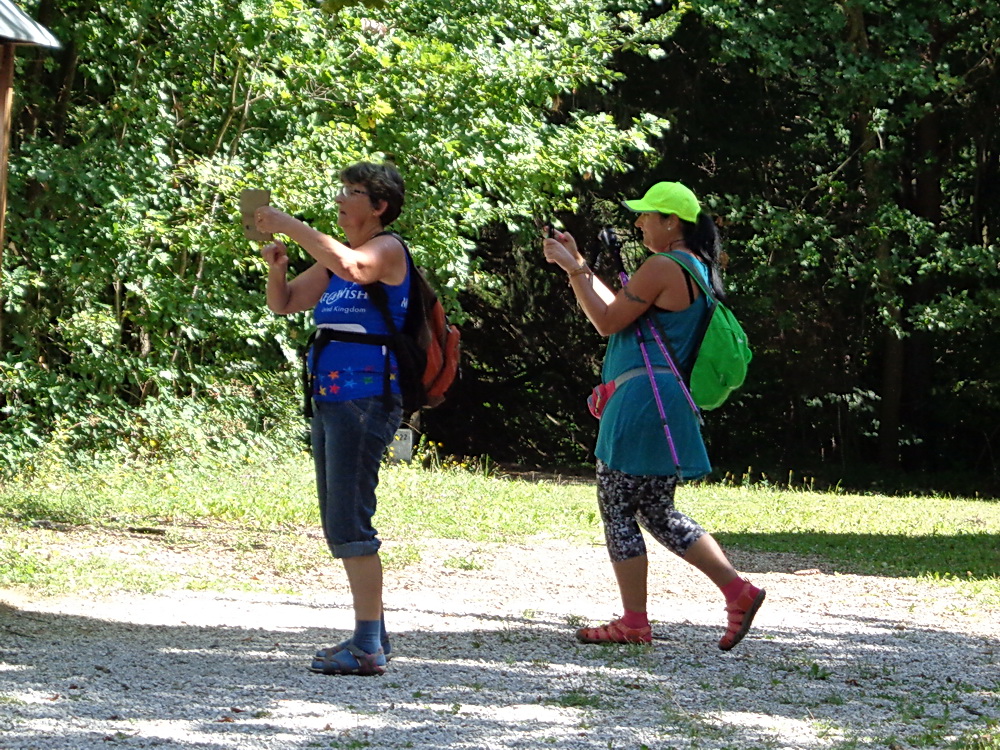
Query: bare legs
(743, 599)
(364, 574)
(631, 575)
(630, 503)
(705, 554)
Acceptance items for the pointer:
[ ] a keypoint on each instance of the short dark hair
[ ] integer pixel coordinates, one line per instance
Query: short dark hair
(383, 183)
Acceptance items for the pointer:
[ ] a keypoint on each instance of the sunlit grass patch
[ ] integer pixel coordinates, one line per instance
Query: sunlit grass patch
(51, 571)
(949, 539)
(259, 493)
(986, 738)
(463, 563)
(397, 557)
(470, 505)
(265, 504)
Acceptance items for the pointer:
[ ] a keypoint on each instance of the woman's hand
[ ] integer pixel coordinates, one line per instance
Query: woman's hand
(562, 251)
(276, 255)
(270, 220)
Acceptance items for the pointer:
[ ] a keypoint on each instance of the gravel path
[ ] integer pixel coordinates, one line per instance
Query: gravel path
(485, 658)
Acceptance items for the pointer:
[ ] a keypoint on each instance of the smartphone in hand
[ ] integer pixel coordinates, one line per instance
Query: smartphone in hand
(250, 201)
(545, 226)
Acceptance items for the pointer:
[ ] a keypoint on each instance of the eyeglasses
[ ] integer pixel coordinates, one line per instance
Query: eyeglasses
(346, 192)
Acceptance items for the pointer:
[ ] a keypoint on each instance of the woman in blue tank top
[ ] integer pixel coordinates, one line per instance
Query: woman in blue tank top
(356, 404)
(636, 471)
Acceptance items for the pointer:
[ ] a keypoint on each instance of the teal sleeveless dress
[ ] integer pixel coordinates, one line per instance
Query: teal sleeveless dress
(631, 437)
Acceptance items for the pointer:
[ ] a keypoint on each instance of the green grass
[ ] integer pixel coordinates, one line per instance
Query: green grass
(575, 698)
(987, 738)
(463, 563)
(257, 492)
(50, 570)
(399, 556)
(934, 539)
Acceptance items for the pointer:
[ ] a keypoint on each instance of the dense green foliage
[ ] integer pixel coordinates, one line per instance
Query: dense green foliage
(126, 278)
(851, 152)
(869, 223)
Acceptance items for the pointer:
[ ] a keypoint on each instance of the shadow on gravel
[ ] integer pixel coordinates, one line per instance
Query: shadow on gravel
(515, 682)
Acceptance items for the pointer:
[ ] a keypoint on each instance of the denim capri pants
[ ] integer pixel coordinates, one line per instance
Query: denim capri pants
(348, 441)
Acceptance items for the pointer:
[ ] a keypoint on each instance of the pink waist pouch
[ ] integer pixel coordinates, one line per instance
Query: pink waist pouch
(599, 397)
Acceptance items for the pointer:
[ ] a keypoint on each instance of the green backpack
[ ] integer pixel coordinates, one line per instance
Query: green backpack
(720, 365)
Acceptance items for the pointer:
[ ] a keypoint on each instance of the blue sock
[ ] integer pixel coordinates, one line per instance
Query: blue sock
(368, 635)
(385, 637)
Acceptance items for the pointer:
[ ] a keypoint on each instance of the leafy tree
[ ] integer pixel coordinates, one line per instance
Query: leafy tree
(897, 125)
(127, 279)
(850, 152)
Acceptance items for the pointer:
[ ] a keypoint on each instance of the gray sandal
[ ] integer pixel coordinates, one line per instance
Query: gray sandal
(324, 654)
(368, 664)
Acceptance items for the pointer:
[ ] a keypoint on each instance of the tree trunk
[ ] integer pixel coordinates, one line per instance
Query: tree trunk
(6, 102)
(919, 351)
(872, 181)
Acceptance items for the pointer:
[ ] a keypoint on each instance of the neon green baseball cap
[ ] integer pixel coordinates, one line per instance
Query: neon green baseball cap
(668, 198)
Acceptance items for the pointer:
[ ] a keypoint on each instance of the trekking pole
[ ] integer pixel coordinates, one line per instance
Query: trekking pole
(680, 380)
(610, 241)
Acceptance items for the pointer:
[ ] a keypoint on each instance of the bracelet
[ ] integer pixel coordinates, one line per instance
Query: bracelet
(580, 269)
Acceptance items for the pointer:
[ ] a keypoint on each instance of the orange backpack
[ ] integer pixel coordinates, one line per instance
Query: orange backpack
(427, 348)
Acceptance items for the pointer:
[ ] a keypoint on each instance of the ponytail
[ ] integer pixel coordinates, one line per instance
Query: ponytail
(702, 238)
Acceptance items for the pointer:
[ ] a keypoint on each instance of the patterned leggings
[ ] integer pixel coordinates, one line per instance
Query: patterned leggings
(628, 501)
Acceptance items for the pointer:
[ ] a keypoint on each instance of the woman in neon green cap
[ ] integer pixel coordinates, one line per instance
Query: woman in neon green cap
(636, 473)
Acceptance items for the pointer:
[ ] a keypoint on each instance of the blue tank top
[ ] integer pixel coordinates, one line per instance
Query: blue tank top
(347, 371)
(631, 437)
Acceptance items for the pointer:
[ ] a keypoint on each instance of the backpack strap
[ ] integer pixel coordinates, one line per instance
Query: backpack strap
(682, 370)
(663, 342)
(684, 261)
(660, 336)
(377, 293)
(307, 377)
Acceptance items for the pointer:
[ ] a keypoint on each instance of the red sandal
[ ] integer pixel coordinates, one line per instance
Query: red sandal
(615, 632)
(741, 612)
